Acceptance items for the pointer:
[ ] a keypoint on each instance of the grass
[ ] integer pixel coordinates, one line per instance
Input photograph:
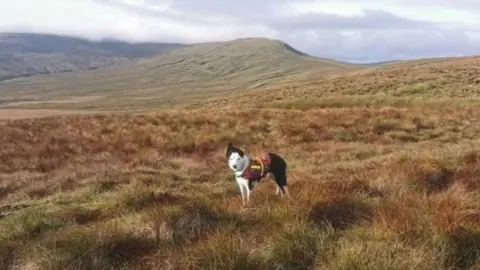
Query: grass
(372, 188)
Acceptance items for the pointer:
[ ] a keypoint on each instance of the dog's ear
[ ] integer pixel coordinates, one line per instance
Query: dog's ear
(229, 149)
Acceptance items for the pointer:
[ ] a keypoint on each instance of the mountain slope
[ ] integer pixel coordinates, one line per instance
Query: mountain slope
(31, 54)
(177, 76)
(424, 82)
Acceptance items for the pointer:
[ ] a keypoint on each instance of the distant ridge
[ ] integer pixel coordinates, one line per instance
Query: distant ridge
(26, 54)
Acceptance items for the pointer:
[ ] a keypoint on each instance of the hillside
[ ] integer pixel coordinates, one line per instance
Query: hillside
(415, 83)
(383, 163)
(175, 77)
(31, 54)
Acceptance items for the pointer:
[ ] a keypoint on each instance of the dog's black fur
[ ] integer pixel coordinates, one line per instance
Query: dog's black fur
(231, 149)
(278, 169)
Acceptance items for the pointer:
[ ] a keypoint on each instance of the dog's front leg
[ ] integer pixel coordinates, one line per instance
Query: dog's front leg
(248, 195)
(244, 196)
(242, 192)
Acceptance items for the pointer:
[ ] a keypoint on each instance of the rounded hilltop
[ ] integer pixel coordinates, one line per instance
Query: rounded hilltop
(253, 47)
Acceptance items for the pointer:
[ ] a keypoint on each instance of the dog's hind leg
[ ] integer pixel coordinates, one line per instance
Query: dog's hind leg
(281, 189)
(279, 186)
(281, 181)
(285, 191)
(248, 195)
(245, 195)
(249, 189)
(284, 187)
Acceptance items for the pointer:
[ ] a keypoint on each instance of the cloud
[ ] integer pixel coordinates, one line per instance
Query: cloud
(371, 46)
(370, 19)
(353, 30)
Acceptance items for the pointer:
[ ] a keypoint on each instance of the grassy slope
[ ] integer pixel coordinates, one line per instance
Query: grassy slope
(418, 83)
(372, 188)
(187, 74)
(25, 54)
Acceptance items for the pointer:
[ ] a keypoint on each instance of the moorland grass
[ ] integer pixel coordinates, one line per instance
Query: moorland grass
(371, 189)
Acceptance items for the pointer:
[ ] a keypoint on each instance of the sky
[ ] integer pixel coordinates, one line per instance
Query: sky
(348, 30)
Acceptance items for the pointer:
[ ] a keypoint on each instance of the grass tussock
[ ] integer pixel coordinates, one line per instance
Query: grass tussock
(370, 189)
(30, 224)
(340, 213)
(462, 248)
(298, 246)
(360, 249)
(225, 252)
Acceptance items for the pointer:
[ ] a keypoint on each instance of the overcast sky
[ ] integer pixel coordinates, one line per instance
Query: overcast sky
(352, 30)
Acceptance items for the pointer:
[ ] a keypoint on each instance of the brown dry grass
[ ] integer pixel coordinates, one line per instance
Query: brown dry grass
(371, 189)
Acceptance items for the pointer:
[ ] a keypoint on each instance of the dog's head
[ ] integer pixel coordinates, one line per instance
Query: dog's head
(236, 158)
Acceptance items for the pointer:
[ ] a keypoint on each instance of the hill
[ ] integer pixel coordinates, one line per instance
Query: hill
(415, 83)
(25, 54)
(383, 164)
(174, 77)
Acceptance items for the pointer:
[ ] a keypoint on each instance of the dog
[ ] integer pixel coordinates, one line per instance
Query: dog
(250, 170)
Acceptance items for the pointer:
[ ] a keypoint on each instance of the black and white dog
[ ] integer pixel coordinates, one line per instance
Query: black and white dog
(250, 170)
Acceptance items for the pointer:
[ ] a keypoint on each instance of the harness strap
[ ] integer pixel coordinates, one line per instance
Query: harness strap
(256, 166)
(261, 166)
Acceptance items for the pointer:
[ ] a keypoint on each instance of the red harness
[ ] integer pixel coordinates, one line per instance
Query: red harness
(258, 168)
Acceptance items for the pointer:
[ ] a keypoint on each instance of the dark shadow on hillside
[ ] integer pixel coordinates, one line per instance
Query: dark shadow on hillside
(340, 213)
(293, 50)
(80, 216)
(7, 254)
(433, 182)
(197, 218)
(463, 249)
(92, 250)
(127, 248)
(4, 191)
